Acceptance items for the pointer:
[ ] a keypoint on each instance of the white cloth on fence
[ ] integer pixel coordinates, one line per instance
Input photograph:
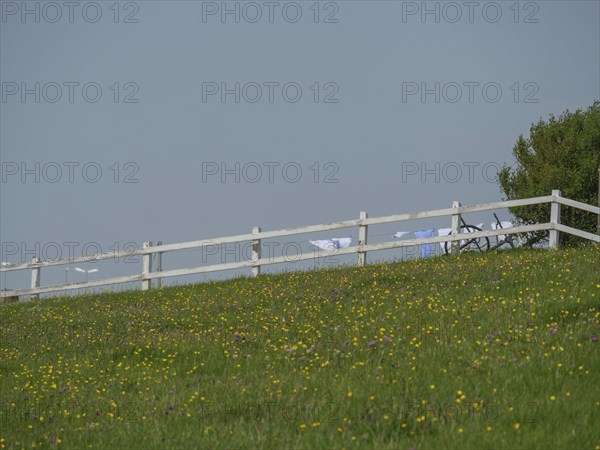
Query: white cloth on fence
(332, 244)
(342, 242)
(425, 248)
(324, 244)
(444, 232)
(503, 224)
(471, 230)
(399, 234)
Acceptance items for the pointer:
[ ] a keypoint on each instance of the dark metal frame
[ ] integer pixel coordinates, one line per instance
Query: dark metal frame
(481, 244)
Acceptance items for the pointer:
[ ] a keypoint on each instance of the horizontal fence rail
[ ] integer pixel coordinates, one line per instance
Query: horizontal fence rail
(254, 240)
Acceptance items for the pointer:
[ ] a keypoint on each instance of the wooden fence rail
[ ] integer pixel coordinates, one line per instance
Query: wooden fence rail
(256, 236)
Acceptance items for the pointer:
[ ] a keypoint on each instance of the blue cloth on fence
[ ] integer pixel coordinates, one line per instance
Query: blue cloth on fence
(425, 248)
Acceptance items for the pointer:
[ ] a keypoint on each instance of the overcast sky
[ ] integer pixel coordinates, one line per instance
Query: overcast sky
(183, 120)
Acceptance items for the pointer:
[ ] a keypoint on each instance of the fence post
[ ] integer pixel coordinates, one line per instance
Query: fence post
(554, 219)
(35, 277)
(159, 265)
(256, 252)
(362, 240)
(146, 266)
(455, 245)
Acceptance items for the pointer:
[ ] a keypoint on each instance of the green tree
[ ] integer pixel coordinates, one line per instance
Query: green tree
(563, 154)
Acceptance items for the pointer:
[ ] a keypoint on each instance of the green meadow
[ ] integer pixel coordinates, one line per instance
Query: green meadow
(482, 351)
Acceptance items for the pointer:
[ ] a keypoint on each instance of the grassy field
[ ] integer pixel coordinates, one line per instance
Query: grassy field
(482, 351)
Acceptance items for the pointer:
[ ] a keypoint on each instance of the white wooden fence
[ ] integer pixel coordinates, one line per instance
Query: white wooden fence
(256, 262)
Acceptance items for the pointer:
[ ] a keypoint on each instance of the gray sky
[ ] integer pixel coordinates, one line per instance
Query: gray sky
(361, 118)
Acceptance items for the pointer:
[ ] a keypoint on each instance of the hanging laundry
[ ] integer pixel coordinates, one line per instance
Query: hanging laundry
(425, 248)
(470, 230)
(444, 232)
(324, 244)
(502, 225)
(399, 234)
(342, 242)
(332, 244)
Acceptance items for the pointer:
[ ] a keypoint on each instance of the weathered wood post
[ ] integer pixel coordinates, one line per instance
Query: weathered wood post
(256, 253)
(362, 239)
(159, 265)
(554, 220)
(455, 245)
(146, 266)
(35, 277)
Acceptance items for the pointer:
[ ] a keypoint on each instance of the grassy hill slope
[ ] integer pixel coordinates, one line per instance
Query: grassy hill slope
(482, 351)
